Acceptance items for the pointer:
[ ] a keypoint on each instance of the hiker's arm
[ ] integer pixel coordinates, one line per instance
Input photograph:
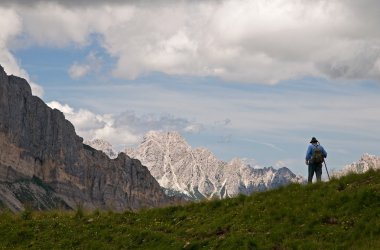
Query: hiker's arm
(324, 152)
(308, 155)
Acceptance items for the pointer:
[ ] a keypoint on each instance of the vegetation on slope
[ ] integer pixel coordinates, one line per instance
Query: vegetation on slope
(341, 214)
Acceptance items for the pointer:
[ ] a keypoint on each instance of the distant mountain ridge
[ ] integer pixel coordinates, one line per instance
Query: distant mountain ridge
(151, 152)
(198, 174)
(103, 146)
(366, 163)
(45, 165)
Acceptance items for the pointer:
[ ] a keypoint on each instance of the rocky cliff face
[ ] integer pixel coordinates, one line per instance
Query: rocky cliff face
(38, 143)
(198, 174)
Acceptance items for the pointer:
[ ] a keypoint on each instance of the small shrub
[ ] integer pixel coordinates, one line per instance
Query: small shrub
(96, 213)
(79, 213)
(340, 186)
(26, 214)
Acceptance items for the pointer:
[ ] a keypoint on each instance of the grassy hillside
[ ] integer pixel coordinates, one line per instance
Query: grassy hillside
(341, 214)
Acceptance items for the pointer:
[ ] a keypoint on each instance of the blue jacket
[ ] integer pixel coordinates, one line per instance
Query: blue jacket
(310, 151)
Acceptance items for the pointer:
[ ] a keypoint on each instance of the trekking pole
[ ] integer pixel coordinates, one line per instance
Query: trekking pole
(326, 169)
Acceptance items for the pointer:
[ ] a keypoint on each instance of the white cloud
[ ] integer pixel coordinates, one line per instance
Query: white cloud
(86, 123)
(78, 70)
(280, 164)
(11, 67)
(250, 41)
(144, 123)
(193, 128)
(11, 26)
(49, 24)
(37, 90)
(121, 130)
(64, 108)
(91, 64)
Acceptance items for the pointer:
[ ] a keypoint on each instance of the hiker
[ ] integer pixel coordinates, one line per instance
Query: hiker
(315, 156)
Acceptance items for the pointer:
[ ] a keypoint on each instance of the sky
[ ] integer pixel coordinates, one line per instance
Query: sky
(249, 79)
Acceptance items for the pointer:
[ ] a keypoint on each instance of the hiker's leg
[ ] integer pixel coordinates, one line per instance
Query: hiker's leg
(318, 172)
(311, 174)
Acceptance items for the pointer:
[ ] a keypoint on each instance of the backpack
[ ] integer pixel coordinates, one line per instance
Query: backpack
(317, 156)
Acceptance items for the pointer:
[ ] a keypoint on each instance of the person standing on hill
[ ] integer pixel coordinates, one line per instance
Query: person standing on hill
(315, 156)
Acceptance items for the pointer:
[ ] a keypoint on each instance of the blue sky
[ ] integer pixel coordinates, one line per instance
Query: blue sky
(249, 79)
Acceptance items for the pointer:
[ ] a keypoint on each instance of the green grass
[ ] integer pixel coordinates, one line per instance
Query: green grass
(341, 214)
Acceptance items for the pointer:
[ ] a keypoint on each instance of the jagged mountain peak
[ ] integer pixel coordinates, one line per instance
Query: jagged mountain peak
(237, 161)
(159, 133)
(366, 162)
(101, 142)
(197, 173)
(103, 146)
(284, 170)
(368, 157)
(160, 136)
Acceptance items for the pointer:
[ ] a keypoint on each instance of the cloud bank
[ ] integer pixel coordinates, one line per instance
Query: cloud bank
(246, 41)
(125, 129)
(10, 27)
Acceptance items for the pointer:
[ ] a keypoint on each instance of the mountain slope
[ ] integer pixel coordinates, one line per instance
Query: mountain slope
(198, 174)
(38, 143)
(340, 214)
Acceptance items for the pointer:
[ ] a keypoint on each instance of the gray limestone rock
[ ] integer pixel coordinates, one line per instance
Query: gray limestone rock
(197, 174)
(38, 142)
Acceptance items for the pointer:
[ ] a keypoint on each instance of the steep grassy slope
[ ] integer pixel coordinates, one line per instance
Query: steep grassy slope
(341, 214)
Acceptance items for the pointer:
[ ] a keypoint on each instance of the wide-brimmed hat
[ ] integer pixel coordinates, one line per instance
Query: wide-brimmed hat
(313, 140)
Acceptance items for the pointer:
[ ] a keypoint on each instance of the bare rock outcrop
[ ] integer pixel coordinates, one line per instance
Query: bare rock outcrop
(38, 143)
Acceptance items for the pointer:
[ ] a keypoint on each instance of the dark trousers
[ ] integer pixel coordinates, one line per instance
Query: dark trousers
(317, 168)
